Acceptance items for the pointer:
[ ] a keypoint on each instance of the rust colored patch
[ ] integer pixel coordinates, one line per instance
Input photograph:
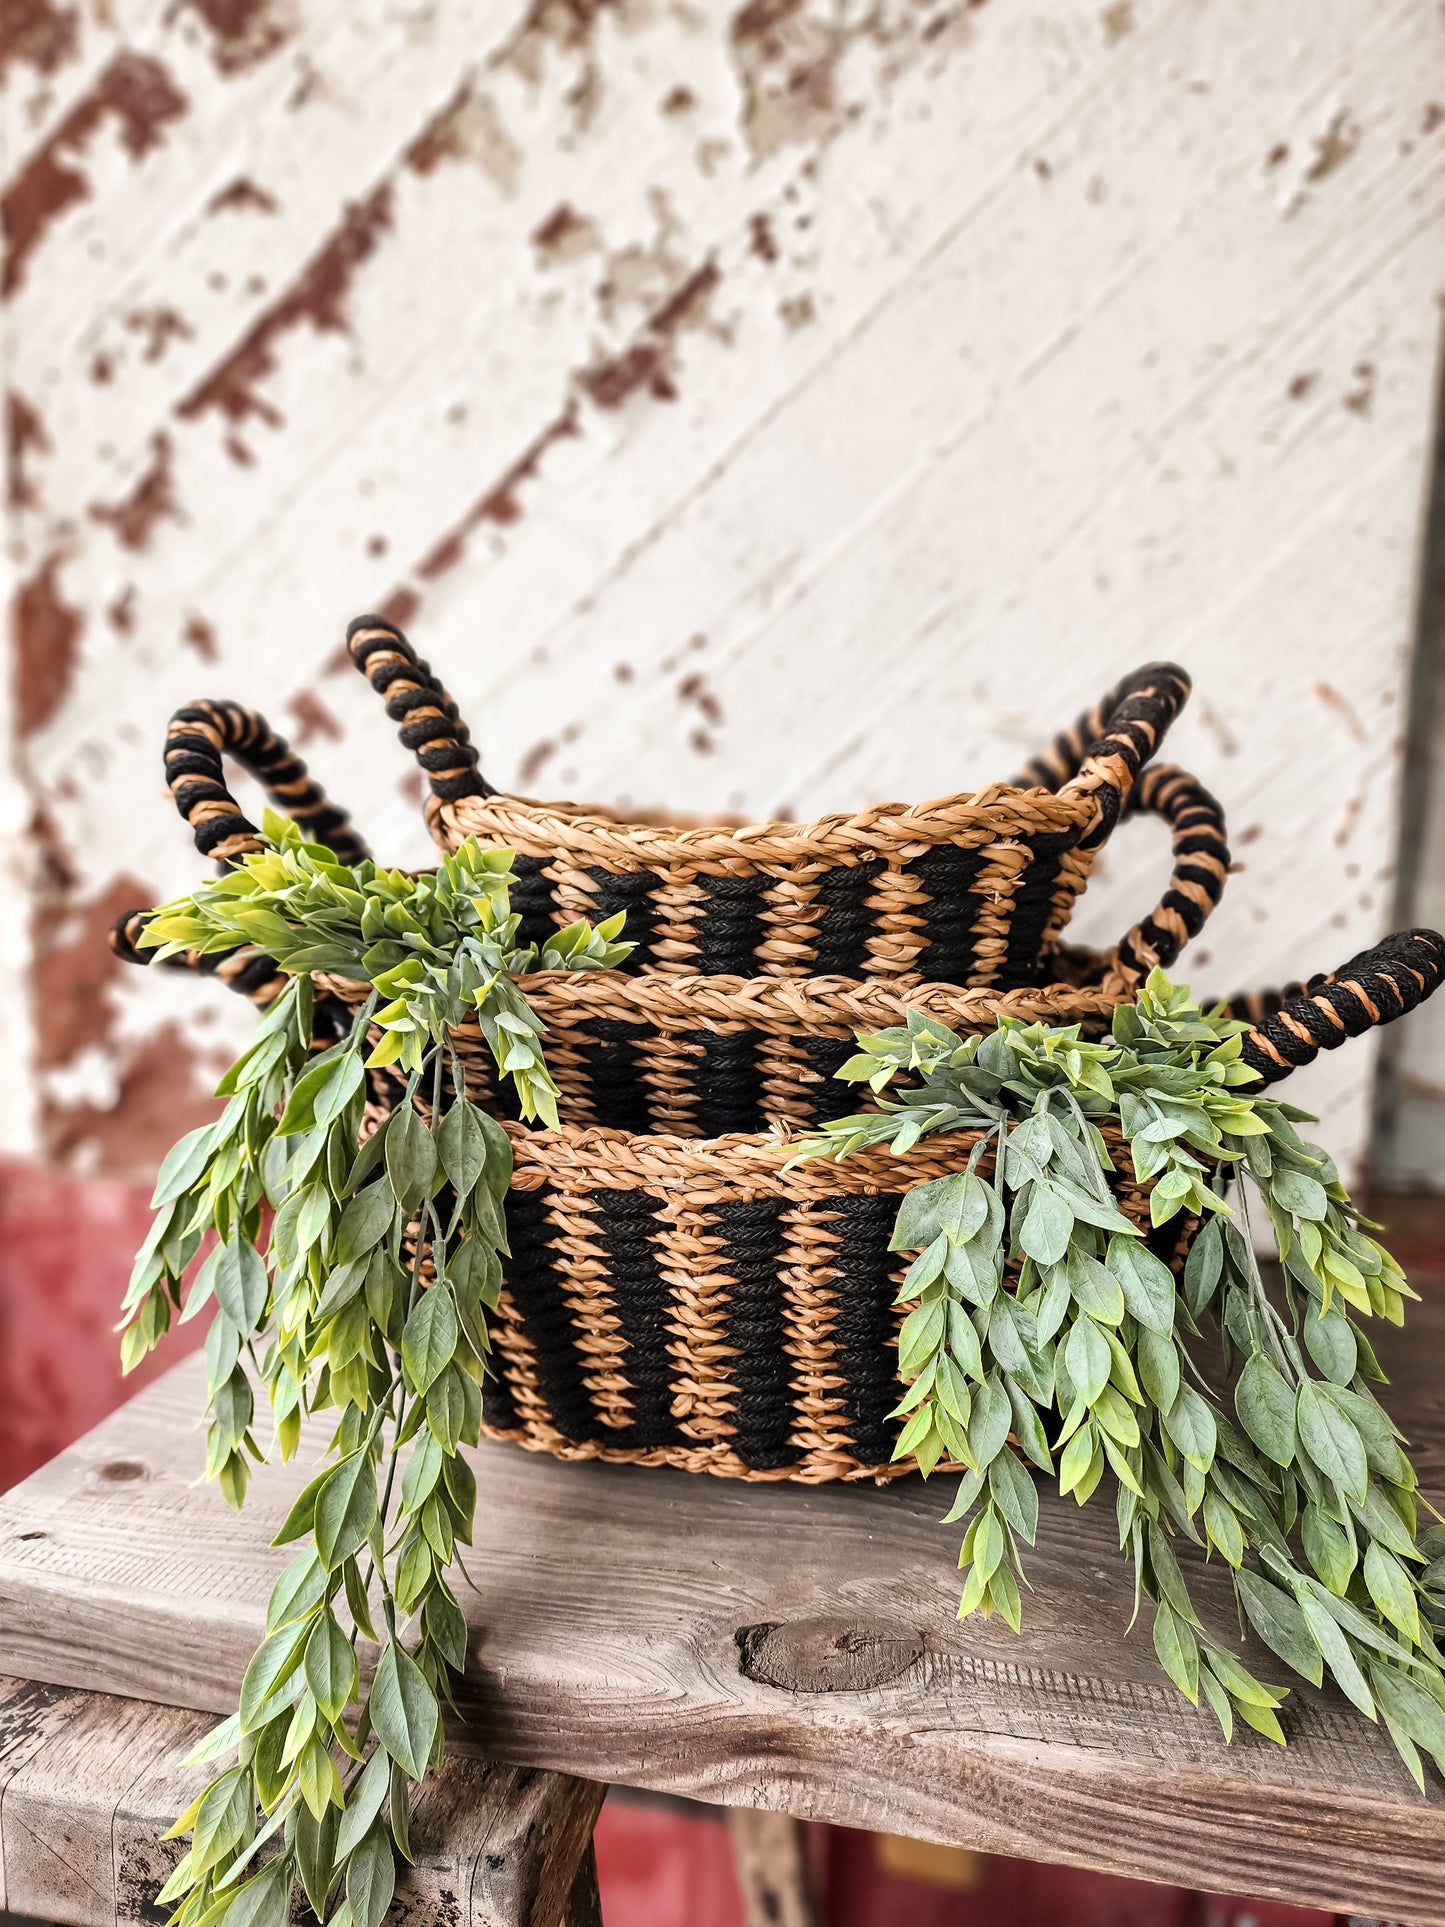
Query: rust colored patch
(1361, 396)
(41, 35)
(135, 92)
(58, 874)
(318, 298)
(200, 636)
(1343, 708)
(1432, 117)
(761, 238)
(121, 613)
(47, 638)
(499, 504)
(693, 689)
(158, 327)
(1300, 385)
(760, 19)
(242, 194)
(24, 436)
(102, 369)
(134, 517)
(162, 1094)
(73, 964)
(313, 718)
(679, 100)
(647, 365)
(570, 21)
(441, 139)
(532, 764)
(400, 606)
(243, 32)
(565, 233)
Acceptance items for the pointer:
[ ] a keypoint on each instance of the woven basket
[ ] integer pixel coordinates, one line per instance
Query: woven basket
(970, 889)
(687, 1302)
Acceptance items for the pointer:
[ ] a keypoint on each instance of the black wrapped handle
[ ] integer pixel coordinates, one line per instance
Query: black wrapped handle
(1103, 752)
(198, 740)
(1201, 864)
(1292, 1026)
(427, 719)
(248, 971)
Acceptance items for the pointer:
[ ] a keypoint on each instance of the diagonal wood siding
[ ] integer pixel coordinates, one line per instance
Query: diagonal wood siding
(759, 409)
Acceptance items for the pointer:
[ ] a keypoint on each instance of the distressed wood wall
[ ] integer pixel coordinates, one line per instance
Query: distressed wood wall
(759, 408)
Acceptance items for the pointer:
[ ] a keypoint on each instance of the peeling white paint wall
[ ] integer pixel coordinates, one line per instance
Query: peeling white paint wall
(765, 410)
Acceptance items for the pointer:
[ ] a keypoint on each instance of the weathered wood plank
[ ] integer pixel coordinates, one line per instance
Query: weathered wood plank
(766, 1646)
(89, 1782)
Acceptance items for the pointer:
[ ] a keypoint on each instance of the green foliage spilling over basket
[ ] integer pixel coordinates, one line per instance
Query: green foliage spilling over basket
(1033, 1249)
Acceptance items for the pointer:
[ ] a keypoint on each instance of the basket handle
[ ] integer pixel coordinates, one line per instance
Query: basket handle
(426, 716)
(248, 971)
(1201, 864)
(1104, 751)
(197, 740)
(1292, 1026)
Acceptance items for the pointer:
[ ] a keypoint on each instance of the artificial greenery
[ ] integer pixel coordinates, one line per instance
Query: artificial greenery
(1041, 1318)
(353, 1266)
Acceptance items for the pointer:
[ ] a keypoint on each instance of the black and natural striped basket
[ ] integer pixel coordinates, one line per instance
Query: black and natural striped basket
(674, 1295)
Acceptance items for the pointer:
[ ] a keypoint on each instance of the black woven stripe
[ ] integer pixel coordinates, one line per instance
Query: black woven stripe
(219, 828)
(730, 928)
(534, 1279)
(948, 874)
(626, 1224)
(202, 790)
(828, 1100)
(631, 892)
(531, 898)
(763, 1411)
(728, 1081)
(1032, 905)
(499, 1401)
(863, 1330)
(614, 1052)
(847, 923)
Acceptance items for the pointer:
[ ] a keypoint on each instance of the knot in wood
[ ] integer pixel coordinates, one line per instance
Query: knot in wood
(826, 1655)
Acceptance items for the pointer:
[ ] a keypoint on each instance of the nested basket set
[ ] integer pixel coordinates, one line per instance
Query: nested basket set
(674, 1294)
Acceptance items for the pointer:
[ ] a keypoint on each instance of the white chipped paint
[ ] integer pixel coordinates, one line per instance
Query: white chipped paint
(1043, 339)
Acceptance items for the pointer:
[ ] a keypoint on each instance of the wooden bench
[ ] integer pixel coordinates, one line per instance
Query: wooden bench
(764, 1646)
(89, 1783)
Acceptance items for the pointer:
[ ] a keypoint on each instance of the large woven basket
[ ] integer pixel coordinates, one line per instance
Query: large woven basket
(689, 1302)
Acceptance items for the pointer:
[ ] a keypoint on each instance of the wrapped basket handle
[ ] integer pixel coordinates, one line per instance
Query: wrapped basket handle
(198, 739)
(427, 719)
(200, 736)
(1105, 751)
(1292, 1026)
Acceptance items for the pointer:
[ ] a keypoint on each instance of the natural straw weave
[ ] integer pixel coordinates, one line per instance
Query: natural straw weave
(972, 889)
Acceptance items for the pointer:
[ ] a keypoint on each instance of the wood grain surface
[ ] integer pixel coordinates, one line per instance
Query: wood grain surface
(776, 1647)
(89, 1783)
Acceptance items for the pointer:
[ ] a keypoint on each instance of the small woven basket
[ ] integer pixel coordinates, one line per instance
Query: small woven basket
(971, 889)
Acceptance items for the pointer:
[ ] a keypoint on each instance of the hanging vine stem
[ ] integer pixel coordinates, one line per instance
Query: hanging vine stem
(367, 1294)
(1043, 1327)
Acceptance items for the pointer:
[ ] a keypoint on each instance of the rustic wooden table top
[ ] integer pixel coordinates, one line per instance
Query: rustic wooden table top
(767, 1646)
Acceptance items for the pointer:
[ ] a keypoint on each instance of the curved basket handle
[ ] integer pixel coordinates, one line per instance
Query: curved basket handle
(198, 738)
(1104, 751)
(1292, 1026)
(1201, 864)
(248, 971)
(428, 722)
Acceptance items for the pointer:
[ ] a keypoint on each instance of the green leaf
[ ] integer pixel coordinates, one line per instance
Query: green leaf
(446, 1408)
(461, 1147)
(1190, 1424)
(298, 1592)
(1088, 1358)
(1407, 1704)
(345, 1509)
(430, 1338)
(1266, 1409)
(264, 1901)
(1295, 1192)
(1015, 1494)
(1047, 1227)
(316, 1855)
(404, 1711)
(364, 1222)
(1094, 1288)
(364, 1802)
(272, 1664)
(1331, 1344)
(919, 1219)
(1338, 1657)
(1178, 1651)
(1280, 1623)
(1203, 1267)
(1331, 1440)
(242, 1286)
(1158, 1368)
(330, 1664)
(1390, 1588)
(1147, 1282)
(183, 1165)
(988, 1423)
(1328, 1549)
(371, 1879)
(411, 1156)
